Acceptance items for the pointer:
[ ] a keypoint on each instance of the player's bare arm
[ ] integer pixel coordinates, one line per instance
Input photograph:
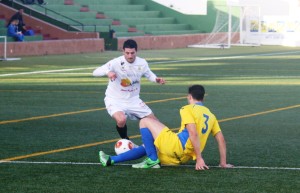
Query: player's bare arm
(193, 135)
(222, 150)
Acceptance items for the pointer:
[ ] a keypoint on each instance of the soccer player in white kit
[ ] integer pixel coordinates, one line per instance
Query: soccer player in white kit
(122, 96)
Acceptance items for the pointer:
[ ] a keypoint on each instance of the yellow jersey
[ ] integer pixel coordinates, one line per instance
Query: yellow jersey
(206, 123)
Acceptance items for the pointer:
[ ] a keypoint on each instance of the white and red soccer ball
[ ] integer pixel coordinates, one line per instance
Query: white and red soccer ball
(123, 145)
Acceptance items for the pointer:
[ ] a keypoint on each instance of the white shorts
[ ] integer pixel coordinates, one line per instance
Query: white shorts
(134, 109)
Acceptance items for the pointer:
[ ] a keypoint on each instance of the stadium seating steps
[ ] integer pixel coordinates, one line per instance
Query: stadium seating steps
(124, 18)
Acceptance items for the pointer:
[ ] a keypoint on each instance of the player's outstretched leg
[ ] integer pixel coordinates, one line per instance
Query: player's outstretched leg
(133, 154)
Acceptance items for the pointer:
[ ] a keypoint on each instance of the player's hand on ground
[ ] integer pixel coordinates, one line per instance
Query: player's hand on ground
(112, 76)
(226, 165)
(200, 165)
(160, 80)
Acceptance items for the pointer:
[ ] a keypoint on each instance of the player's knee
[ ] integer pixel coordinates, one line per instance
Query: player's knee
(120, 118)
(121, 122)
(144, 122)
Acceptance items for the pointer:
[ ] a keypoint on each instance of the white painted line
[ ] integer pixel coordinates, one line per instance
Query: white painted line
(70, 73)
(227, 57)
(122, 164)
(162, 62)
(47, 162)
(224, 75)
(46, 71)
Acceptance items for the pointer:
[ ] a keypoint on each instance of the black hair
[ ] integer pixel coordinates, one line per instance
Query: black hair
(130, 44)
(197, 91)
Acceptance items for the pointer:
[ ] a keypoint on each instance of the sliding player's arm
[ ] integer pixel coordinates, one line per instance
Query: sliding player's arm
(222, 150)
(194, 137)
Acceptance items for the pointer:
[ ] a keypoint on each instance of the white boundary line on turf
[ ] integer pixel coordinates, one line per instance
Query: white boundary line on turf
(87, 163)
(46, 71)
(162, 62)
(224, 75)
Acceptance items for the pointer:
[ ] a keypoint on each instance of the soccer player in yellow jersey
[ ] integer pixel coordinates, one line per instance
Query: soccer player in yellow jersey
(163, 146)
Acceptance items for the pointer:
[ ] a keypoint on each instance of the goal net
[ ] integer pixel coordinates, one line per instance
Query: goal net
(240, 25)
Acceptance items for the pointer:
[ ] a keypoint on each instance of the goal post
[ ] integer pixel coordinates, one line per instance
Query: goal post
(240, 25)
(4, 47)
(250, 24)
(4, 55)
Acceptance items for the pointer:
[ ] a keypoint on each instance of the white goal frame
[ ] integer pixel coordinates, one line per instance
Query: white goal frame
(244, 32)
(230, 36)
(4, 48)
(5, 51)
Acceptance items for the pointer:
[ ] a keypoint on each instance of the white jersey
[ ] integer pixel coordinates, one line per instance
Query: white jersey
(128, 82)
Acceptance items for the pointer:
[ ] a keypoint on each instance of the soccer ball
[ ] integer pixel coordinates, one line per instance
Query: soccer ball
(123, 145)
